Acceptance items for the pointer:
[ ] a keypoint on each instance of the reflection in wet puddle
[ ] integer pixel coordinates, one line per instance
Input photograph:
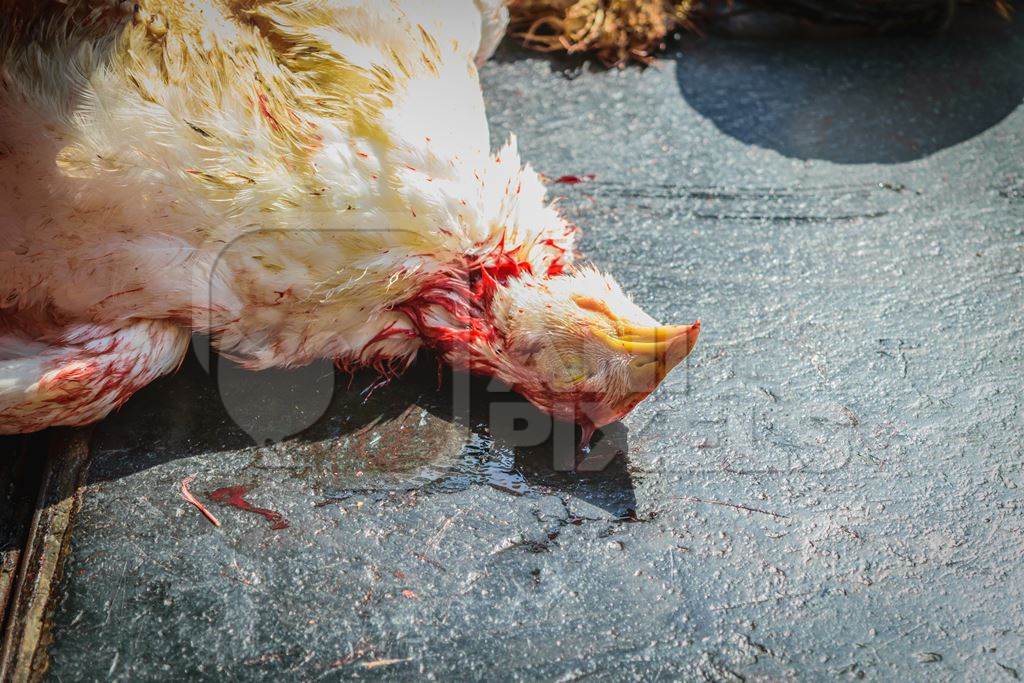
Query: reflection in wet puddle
(400, 444)
(481, 462)
(486, 460)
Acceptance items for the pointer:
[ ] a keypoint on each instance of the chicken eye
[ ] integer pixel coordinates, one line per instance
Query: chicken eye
(573, 369)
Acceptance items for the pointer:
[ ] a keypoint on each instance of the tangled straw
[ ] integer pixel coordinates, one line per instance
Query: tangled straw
(618, 31)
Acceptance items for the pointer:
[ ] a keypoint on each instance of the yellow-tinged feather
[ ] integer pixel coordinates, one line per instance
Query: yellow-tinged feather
(289, 175)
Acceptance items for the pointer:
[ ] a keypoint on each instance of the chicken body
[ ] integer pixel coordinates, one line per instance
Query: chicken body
(301, 180)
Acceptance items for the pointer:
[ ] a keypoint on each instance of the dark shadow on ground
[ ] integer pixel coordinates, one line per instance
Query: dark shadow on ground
(885, 100)
(569, 66)
(405, 435)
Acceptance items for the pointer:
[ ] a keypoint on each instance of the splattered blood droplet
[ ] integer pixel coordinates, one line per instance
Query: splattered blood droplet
(575, 179)
(235, 497)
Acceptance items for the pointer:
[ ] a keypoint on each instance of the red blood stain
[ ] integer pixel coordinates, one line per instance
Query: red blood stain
(575, 179)
(233, 496)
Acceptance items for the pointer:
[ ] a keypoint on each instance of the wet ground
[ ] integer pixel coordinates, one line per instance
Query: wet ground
(832, 486)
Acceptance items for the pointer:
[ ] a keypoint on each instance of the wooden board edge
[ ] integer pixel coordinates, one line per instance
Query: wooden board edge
(23, 654)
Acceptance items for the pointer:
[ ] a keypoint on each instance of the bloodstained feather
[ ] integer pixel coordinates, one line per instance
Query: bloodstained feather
(234, 496)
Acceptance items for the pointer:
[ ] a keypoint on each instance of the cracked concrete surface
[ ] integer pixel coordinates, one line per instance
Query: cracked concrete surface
(831, 487)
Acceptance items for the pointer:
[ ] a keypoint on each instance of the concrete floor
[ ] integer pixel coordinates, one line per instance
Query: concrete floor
(832, 487)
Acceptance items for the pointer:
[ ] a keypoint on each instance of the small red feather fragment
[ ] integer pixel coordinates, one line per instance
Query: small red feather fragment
(234, 496)
(187, 495)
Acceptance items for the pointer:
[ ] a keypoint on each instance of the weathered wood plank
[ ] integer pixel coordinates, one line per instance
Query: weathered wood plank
(40, 558)
(21, 466)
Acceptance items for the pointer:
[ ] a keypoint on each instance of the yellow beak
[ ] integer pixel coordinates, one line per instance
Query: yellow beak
(653, 349)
